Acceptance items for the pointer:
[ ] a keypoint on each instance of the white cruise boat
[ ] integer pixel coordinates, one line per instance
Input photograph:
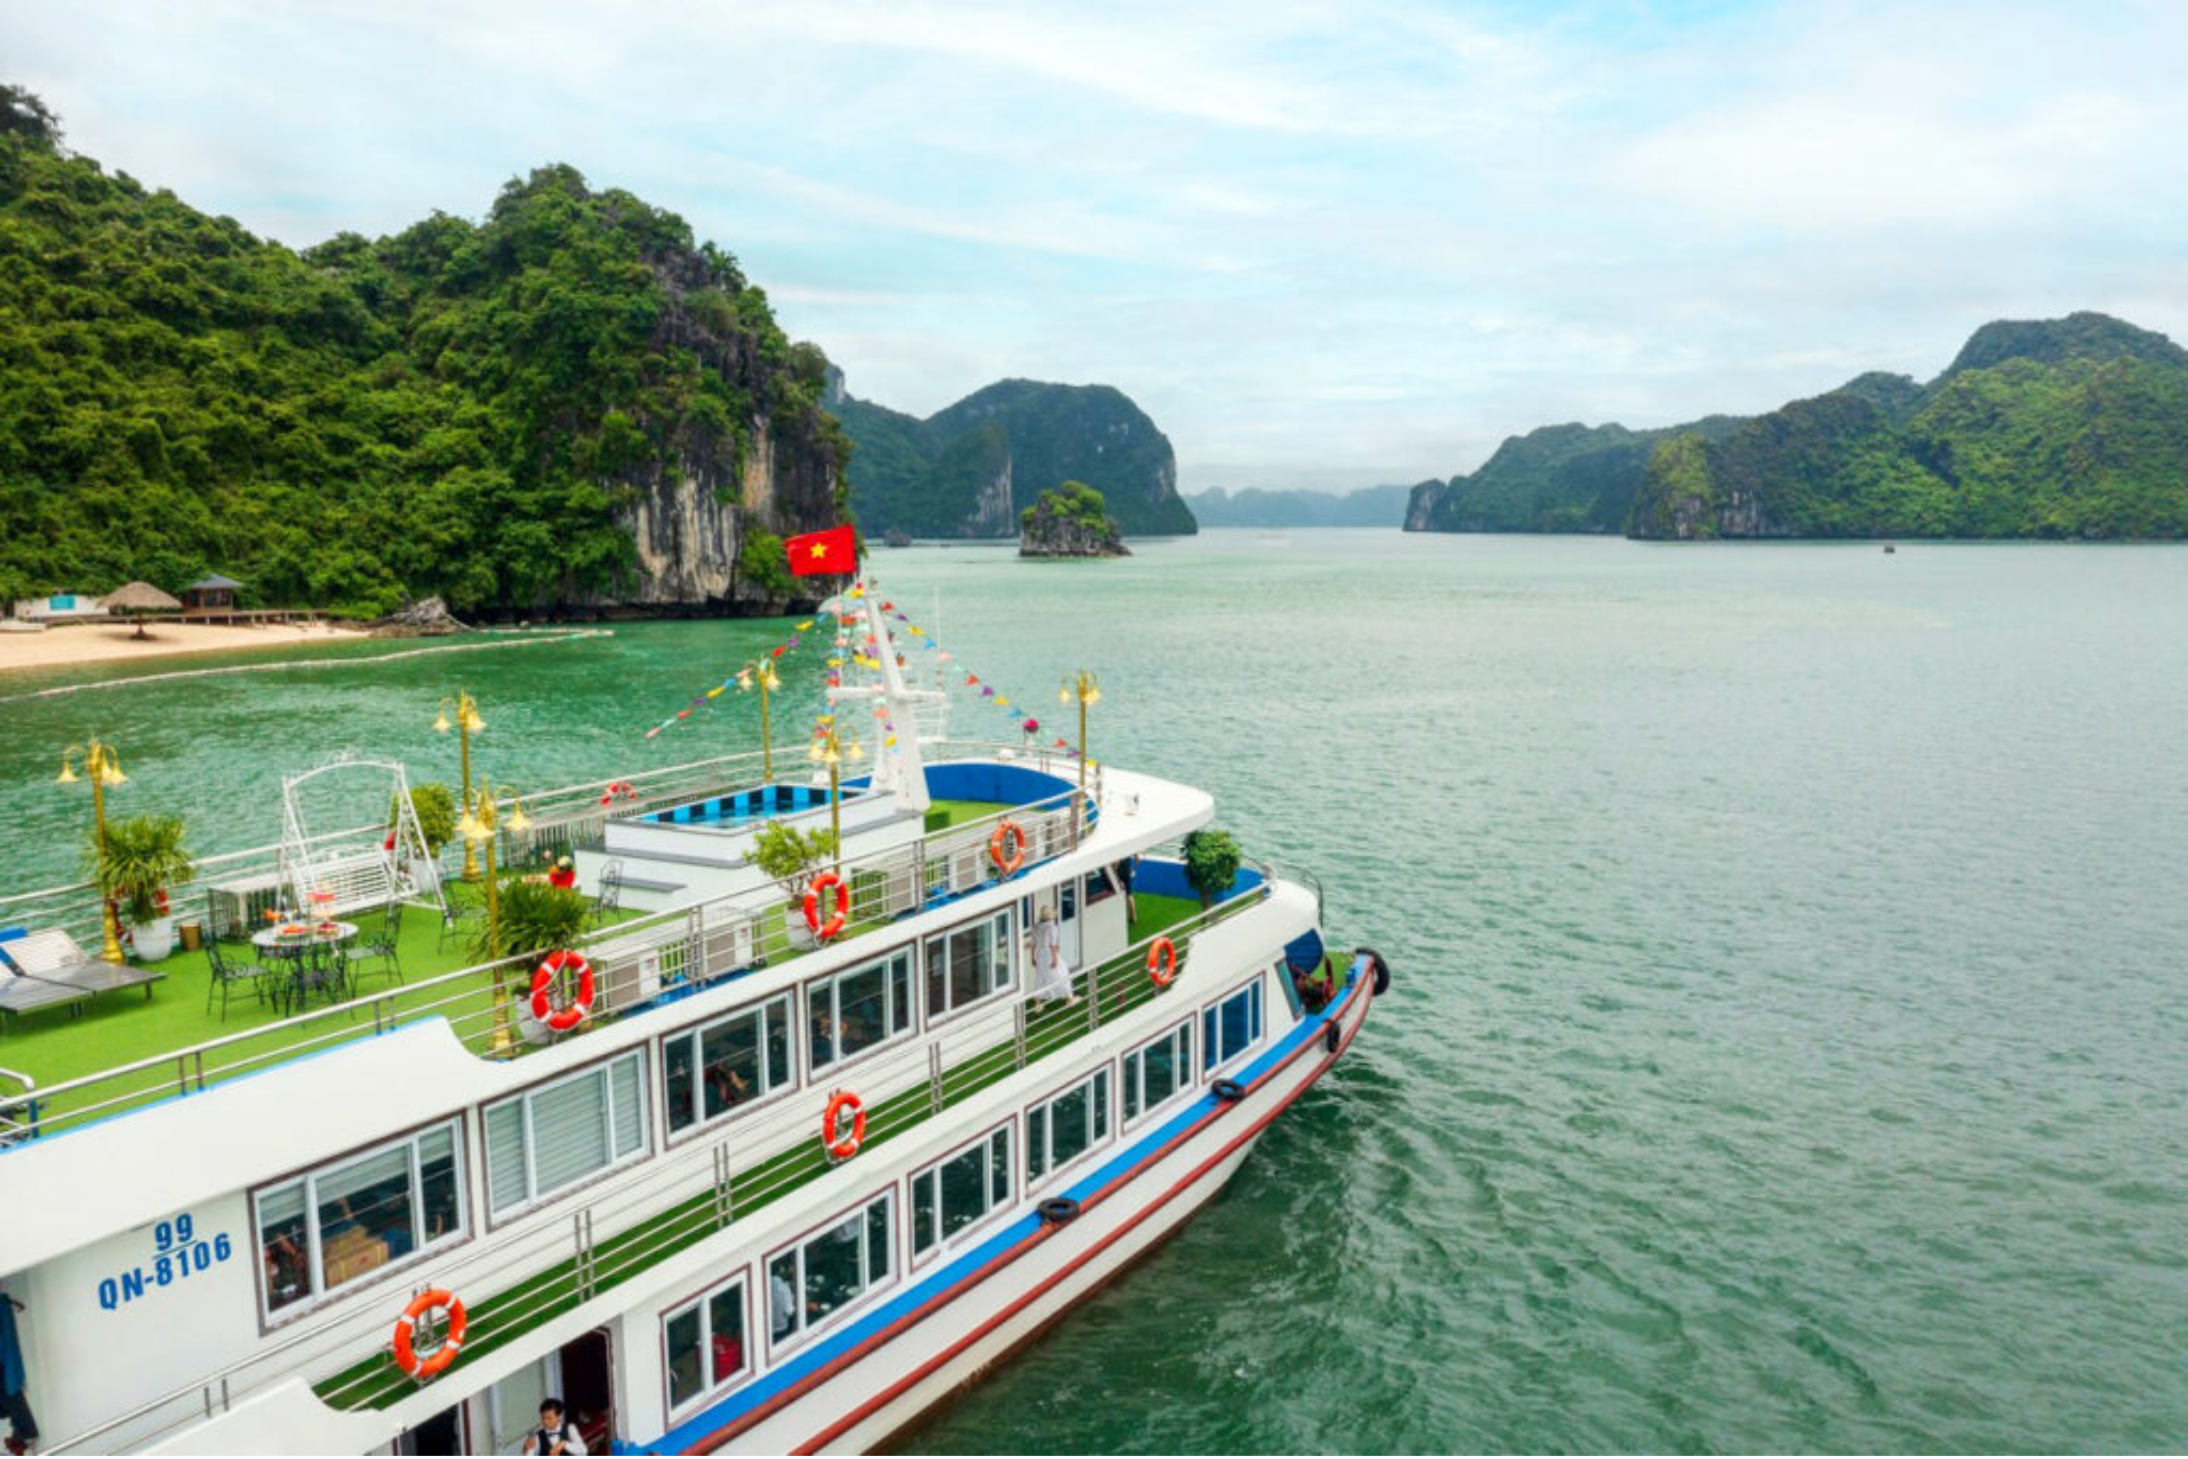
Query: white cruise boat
(767, 1192)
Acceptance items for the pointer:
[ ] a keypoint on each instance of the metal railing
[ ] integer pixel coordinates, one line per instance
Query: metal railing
(724, 1174)
(634, 962)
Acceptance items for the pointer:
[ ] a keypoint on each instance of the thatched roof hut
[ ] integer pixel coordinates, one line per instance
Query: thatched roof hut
(137, 599)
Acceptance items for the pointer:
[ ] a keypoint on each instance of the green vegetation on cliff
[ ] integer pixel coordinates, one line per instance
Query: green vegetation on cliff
(971, 469)
(2075, 427)
(2064, 428)
(474, 410)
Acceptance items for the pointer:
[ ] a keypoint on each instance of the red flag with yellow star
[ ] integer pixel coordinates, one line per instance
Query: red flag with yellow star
(828, 553)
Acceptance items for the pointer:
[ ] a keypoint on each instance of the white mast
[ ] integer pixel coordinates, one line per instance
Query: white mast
(897, 768)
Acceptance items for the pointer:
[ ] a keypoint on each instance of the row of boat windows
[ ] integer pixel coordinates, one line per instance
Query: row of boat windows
(322, 1230)
(816, 1280)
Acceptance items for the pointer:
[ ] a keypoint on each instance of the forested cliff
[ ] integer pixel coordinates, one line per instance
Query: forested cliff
(970, 469)
(570, 405)
(2074, 427)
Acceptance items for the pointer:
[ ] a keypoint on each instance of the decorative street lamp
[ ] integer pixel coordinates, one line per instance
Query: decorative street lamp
(1086, 691)
(762, 672)
(103, 767)
(478, 828)
(467, 723)
(830, 750)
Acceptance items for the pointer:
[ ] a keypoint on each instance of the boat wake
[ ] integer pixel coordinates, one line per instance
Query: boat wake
(512, 640)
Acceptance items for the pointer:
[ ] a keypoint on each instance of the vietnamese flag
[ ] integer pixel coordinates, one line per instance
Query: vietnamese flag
(824, 553)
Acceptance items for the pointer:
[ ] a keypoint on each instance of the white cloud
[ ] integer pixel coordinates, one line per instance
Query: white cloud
(1321, 242)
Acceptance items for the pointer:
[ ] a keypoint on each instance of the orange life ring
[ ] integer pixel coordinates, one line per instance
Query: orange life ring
(845, 1146)
(561, 1020)
(834, 925)
(1014, 833)
(406, 1352)
(1162, 961)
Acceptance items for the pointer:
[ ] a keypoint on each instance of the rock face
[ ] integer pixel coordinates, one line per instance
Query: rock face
(1069, 522)
(426, 618)
(970, 469)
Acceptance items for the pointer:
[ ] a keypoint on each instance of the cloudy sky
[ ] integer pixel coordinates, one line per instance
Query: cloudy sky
(1322, 243)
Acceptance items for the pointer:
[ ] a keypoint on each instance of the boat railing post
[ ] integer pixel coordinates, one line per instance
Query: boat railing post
(934, 1078)
(725, 1201)
(581, 1231)
(1018, 1033)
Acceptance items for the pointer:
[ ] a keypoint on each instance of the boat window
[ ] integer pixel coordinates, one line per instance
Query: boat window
(968, 964)
(1155, 1071)
(958, 1192)
(712, 1070)
(1231, 1027)
(323, 1230)
(855, 1010)
(822, 1275)
(705, 1344)
(1067, 1126)
(552, 1137)
(1099, 885)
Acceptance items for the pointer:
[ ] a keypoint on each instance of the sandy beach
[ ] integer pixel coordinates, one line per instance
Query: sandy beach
(94, 643)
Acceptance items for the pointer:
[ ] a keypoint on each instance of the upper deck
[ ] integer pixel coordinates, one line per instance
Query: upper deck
(63, 1068)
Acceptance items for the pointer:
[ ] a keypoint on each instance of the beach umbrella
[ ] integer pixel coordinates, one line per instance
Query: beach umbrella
(138, 599)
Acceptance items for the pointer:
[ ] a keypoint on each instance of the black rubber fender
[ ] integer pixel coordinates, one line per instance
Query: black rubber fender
(1230, 1091)
(1382, 969)
(1333, 1037)
(1056, 1210)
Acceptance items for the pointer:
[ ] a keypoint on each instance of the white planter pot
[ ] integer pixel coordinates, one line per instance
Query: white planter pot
(154, 939)
(801, 936)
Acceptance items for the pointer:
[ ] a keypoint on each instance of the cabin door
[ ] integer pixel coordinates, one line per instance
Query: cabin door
(440, 1434)
(588, 1388)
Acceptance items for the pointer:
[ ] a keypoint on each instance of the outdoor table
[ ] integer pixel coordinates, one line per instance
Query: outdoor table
(274, 943)
(288, 949)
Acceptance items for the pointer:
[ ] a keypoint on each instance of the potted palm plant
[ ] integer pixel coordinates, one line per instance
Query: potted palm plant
(134, 863)
(786, 854)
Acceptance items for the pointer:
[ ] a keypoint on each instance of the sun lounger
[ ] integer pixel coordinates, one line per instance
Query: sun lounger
(52, 957)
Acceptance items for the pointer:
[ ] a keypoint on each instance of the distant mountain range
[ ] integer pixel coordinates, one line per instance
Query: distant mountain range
(969, 469)
(2074, 427)
(1373, 506)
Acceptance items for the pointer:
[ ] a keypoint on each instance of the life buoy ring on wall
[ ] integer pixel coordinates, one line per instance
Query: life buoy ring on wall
(843, 1146)
(813, 893)
(1162, 962)
(1009, 863)
(406, 1350)
(563, 1019)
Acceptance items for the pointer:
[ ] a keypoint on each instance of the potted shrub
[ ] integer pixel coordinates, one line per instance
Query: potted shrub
(536, 919)
(135, 864)
(1211, 864)
(787, 854)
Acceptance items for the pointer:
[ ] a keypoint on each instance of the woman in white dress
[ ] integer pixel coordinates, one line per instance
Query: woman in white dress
(1051, 978)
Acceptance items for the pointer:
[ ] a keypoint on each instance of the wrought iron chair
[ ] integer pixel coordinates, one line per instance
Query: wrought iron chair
(609, 896)
(323, 970)
(384, 943)
(227, 976)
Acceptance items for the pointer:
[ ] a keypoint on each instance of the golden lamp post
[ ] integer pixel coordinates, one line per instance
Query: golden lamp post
(102, 767)
(830, 750)
(1083, 689)
(762, 672)
(481, 821)
(466, 724)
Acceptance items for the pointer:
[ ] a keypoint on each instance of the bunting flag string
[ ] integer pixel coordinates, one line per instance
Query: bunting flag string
(741, 680)
(989, 696)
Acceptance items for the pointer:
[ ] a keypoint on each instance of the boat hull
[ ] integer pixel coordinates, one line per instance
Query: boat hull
(899, 1381)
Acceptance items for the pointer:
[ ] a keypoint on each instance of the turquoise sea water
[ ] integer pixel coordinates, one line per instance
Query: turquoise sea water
(1789, 1047)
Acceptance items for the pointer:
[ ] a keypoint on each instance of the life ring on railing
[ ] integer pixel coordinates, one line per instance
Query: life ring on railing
(813, 893)
(406, 1351)
(1014, 833)
(842, 1146)
(563, 1019)
(1162, 962)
